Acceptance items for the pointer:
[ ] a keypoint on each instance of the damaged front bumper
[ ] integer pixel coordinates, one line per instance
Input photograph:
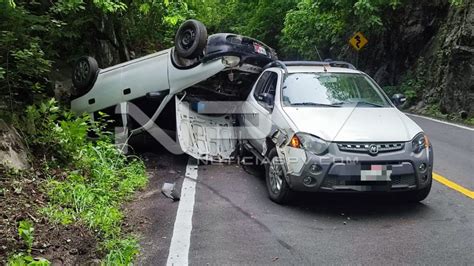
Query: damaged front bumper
(339, 171)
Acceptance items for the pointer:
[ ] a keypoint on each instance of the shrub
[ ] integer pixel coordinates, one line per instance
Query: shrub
(25, 232)
(94, 178)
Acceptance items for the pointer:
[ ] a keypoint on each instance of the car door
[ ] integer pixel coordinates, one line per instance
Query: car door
(258, 109)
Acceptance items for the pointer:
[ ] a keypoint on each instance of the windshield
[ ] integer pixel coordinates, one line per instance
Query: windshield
(331, 89)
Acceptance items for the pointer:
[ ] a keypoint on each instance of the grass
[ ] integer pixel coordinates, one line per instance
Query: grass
(93, 195)
(88, 180)
(433, 111)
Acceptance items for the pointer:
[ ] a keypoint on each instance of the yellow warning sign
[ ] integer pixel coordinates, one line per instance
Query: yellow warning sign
(358, 41)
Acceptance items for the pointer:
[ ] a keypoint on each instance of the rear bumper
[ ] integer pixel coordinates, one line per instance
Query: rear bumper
(340, 171)
(219, 45)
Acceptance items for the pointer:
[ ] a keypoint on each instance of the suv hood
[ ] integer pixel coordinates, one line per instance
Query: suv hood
(353, 124)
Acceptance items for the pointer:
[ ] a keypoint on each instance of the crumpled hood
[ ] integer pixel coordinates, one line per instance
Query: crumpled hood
(353, 124)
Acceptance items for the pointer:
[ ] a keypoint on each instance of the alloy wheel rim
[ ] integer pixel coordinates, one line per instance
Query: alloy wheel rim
(81, 71)
(188, 39)
(275, 176)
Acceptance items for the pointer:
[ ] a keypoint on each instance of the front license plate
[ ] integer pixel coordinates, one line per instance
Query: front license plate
(259, 49)
(375, 172)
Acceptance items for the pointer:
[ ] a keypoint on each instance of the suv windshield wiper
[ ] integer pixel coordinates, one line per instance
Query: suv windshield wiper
(368, 103)
(317, 104)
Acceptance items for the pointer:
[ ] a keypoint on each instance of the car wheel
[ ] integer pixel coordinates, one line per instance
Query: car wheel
(277, 187)
(419, 195)
(191, 39)
(85, 73)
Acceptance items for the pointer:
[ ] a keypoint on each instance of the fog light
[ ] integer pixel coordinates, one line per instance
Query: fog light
(316, 168)
(422, 167)
(307, 180)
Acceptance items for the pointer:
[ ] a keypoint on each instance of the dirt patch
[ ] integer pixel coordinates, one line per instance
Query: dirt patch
(21, 198)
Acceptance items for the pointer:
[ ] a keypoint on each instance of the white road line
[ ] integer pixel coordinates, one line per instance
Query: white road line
(441, 121)
(183, 225)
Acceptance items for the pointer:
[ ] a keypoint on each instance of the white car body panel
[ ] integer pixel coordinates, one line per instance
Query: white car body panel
(180, 79)
(203, 137)
(353, 124)
(142, 75)
(151, 73)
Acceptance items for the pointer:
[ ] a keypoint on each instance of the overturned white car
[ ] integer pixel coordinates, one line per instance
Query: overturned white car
(221, 66)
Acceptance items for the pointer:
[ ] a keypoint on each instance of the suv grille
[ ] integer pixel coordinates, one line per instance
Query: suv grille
(399, 181)
(364, 147)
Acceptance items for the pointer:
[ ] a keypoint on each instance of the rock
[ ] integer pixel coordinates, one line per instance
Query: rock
(382, 75)
(454, 70)
(13, 152)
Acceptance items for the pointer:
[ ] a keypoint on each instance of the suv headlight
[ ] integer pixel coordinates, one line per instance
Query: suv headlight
(420, 142)
(310, 143)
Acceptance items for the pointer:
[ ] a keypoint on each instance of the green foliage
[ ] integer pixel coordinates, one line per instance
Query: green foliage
(97, 177)
(325, 24)
(433, 110)
(34, 35)
(470, 121)
(414, 83)
(10, 3)
(457, 3)
(22, 259)
(122, 251)
(262, 19)
(23, 61)
(50, 131)
(25, 232)
(151, 24)
(391, 90)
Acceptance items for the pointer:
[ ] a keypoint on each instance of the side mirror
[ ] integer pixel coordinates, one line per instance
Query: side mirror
(267, 99)
(398, 99)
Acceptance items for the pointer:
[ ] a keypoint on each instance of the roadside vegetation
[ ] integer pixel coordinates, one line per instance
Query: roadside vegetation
(84, 180)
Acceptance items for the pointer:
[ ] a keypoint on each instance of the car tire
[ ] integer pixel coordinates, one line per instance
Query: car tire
(278, 190)
(191, 39)
(419, 195)
(84, 74)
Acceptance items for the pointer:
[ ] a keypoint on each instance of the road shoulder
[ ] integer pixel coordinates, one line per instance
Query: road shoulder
(151, 215)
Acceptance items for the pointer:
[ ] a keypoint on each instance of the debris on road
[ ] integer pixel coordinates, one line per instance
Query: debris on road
(169, 191)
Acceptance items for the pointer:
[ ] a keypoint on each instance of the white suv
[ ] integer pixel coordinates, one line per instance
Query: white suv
(325, 126)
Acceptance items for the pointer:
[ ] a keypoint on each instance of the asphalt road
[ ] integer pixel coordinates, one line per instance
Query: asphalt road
(234, 222)
(453, 151)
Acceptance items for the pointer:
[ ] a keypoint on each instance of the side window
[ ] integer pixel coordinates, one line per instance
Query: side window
(265, 91)
(261, 84)
(270, 87)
